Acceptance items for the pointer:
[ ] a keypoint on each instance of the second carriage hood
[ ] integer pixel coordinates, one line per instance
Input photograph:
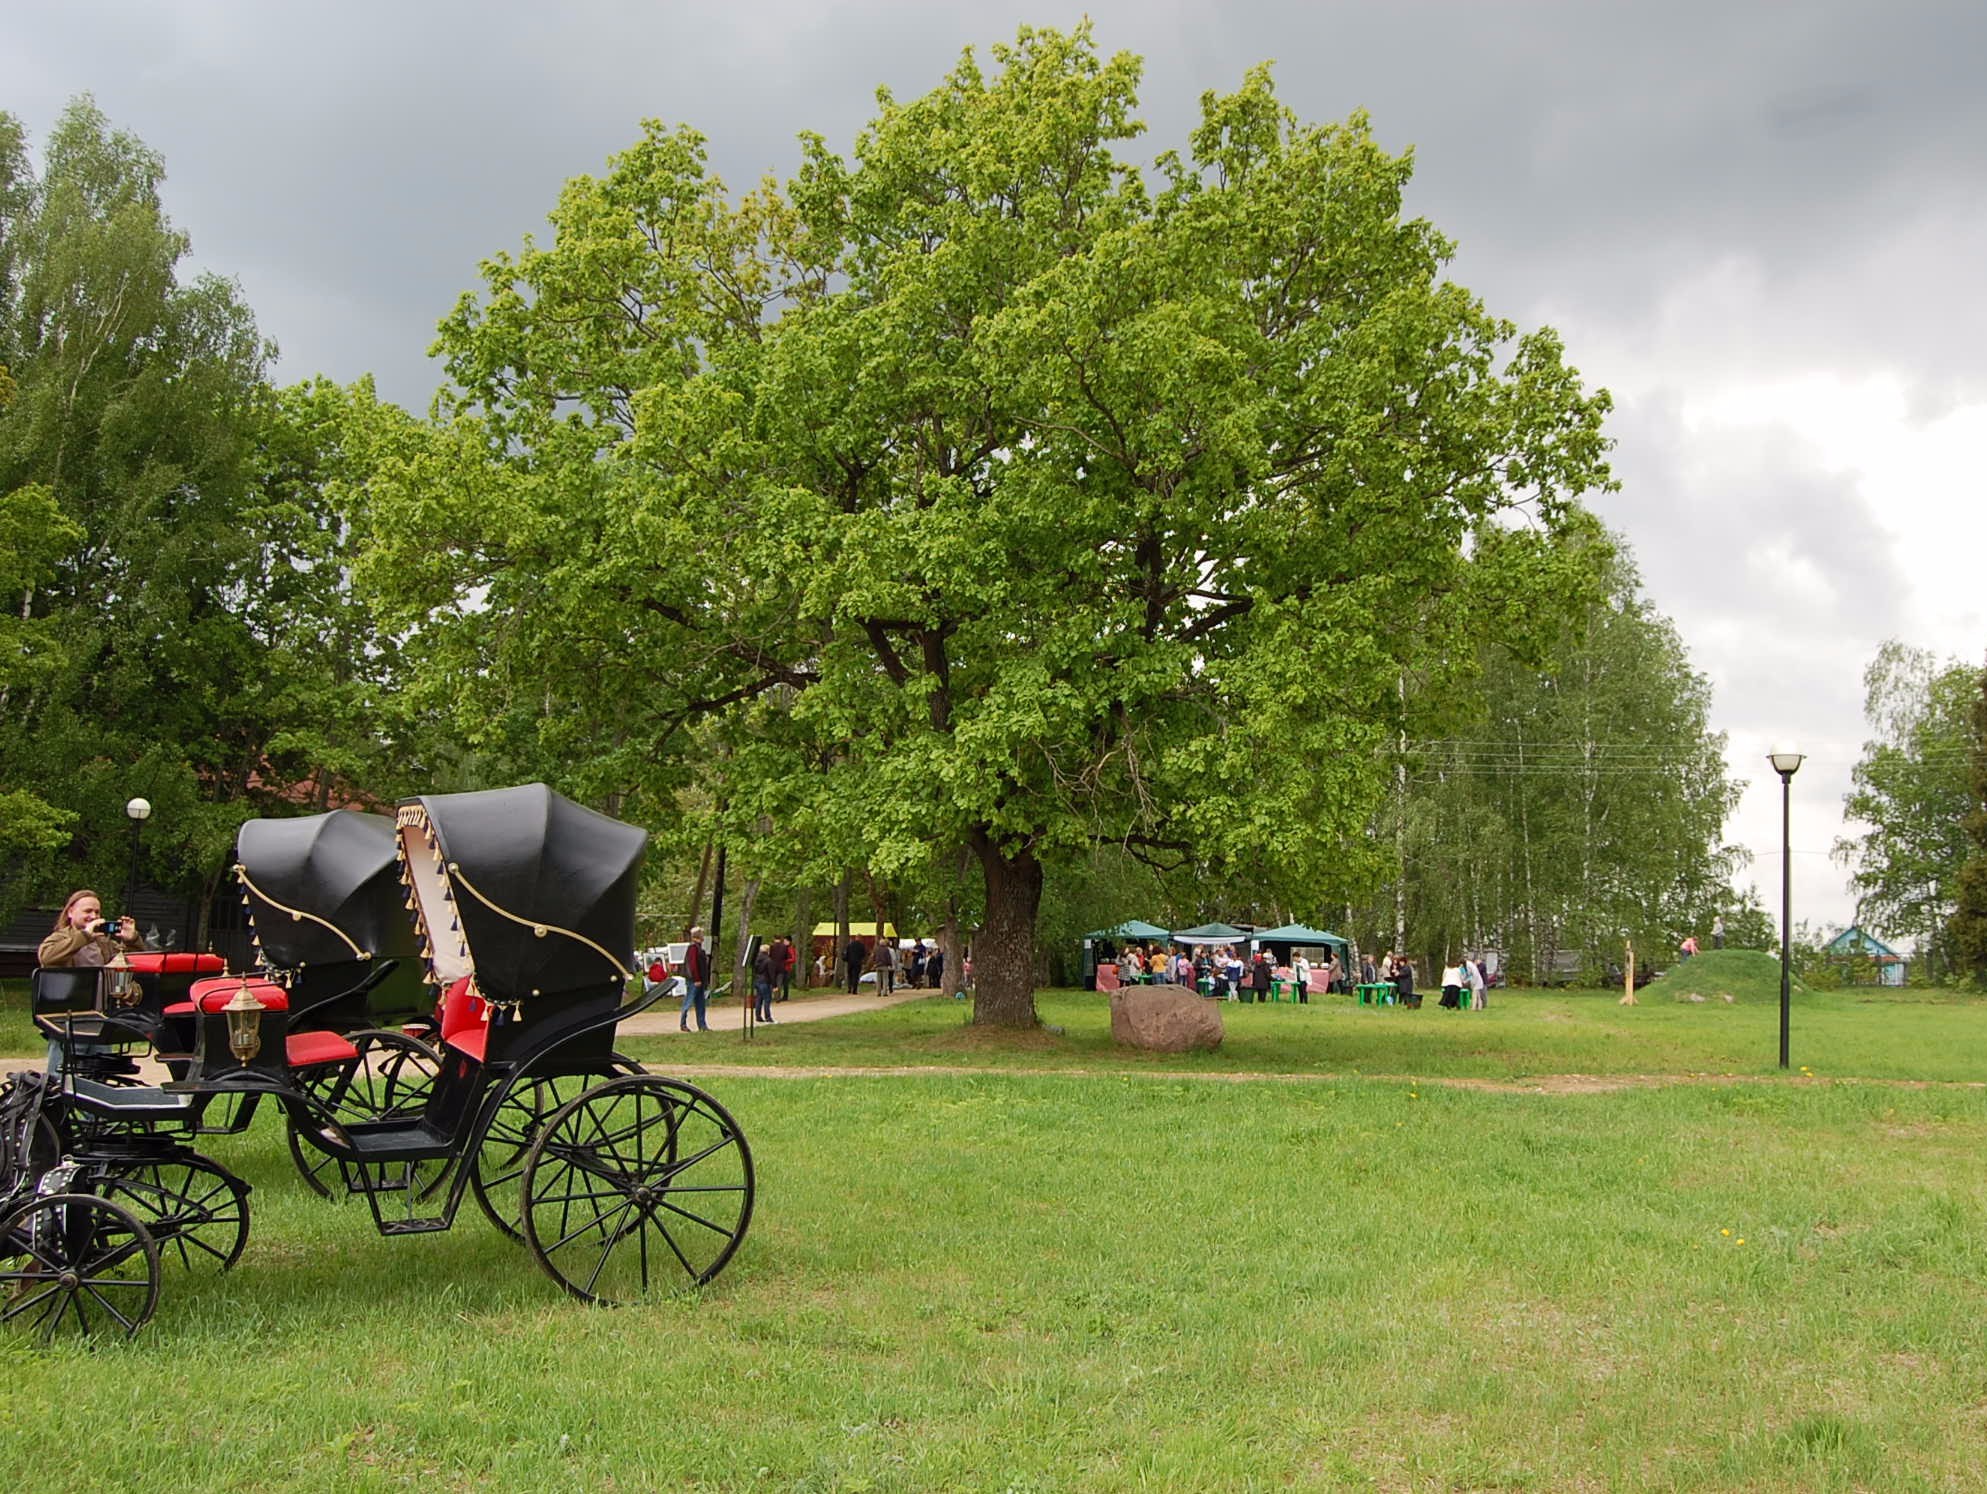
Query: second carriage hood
(532, 894)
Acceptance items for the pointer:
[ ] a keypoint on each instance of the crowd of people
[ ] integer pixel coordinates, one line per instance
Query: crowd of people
(919, 967)
(1222, 970)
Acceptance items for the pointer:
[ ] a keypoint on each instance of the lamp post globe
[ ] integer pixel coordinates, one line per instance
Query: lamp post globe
(140, 810)
(1786, 762)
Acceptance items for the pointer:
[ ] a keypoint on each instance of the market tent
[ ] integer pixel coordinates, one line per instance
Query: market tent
(1208, 933)
(1131, 928)
(823, 943)
(1296, 934)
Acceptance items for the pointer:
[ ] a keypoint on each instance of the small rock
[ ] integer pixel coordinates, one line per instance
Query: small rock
(1165, 1019)
(1689, 996)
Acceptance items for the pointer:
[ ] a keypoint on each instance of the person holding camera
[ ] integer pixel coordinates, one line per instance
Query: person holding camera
(83, 937)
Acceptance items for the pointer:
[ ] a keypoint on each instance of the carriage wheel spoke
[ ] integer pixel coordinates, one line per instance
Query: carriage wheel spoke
(21, 1304)
(598, 1221)
(128, 1326)
(686, 1163)
(681, 1212)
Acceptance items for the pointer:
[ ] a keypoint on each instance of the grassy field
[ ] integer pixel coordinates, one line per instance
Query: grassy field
(1933, 1035)
(1064, 1283)
(1129, 1279)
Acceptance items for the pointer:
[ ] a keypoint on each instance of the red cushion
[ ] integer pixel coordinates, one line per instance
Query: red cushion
(180, 962)
(213, 994)
(307, 1048)
(472, 1040)
(463, 1011)
(181, 1009)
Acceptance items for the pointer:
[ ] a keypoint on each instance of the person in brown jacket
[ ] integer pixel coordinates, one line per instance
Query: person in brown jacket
(83, 937)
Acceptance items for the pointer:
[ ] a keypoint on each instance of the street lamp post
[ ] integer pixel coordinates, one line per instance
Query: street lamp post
(140, 810)
(1786, 762)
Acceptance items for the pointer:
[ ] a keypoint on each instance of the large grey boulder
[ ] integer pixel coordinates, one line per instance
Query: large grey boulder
(1164, 1019)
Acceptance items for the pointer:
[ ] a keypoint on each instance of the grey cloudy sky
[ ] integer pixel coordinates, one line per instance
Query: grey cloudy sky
(1759, 224)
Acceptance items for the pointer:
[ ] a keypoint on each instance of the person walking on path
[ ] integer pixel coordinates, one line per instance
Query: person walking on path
(854, 957)
(765, 969)
(696, 983)
(1718, 932)
(886, 966)
(785, 957)
(1473, 970)
(935, 967)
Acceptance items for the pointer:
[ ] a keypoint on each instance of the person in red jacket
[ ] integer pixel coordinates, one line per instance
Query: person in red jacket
(696, 982)
(785, 957)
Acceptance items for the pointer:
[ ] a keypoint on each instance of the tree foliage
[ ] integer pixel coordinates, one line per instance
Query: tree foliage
(987, 495)
(173, 624)
(1570, 801)
(1912, 790)
(1968, 929)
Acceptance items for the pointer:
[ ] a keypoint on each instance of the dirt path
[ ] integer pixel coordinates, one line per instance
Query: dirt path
(728, 1015)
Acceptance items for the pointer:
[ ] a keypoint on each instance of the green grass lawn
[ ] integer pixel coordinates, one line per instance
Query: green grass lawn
(1935, 1035)
(1125, 1279)
(1066, 1283)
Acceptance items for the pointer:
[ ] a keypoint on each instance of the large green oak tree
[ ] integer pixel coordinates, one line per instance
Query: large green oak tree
(983, 490)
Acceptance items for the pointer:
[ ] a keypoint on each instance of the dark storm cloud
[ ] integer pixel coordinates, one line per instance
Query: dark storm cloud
(369, 155)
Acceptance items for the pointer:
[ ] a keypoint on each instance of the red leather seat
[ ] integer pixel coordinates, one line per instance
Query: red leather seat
(181, 1009)
(306, 1049)
(177, 962)
(465, 1019)
(213, 994)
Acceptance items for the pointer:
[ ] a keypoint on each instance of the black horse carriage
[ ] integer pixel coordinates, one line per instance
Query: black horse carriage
(621, 1183)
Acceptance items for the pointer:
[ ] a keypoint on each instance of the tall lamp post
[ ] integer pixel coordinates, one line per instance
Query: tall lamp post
(140, 811)
(1786, 762)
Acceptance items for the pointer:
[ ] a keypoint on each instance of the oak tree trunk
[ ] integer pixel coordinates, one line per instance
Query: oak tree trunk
(1004, 948)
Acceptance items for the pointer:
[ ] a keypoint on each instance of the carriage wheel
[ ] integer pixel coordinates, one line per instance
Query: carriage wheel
(391, 1078)
(72, 1263)
(197, 1210)
(497, 1169)
(638, 1186)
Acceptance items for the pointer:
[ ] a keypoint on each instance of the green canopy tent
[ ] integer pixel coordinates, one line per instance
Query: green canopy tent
(1294, 935)
(1131, 930)
(1209, 933)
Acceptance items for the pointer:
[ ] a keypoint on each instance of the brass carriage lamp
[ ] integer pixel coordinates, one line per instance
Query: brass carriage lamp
(244, 1014)
(121, 987)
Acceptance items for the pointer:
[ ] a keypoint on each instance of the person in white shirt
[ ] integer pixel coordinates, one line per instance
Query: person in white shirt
(1301, 969)
(1452, 988)
(1473, 972)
